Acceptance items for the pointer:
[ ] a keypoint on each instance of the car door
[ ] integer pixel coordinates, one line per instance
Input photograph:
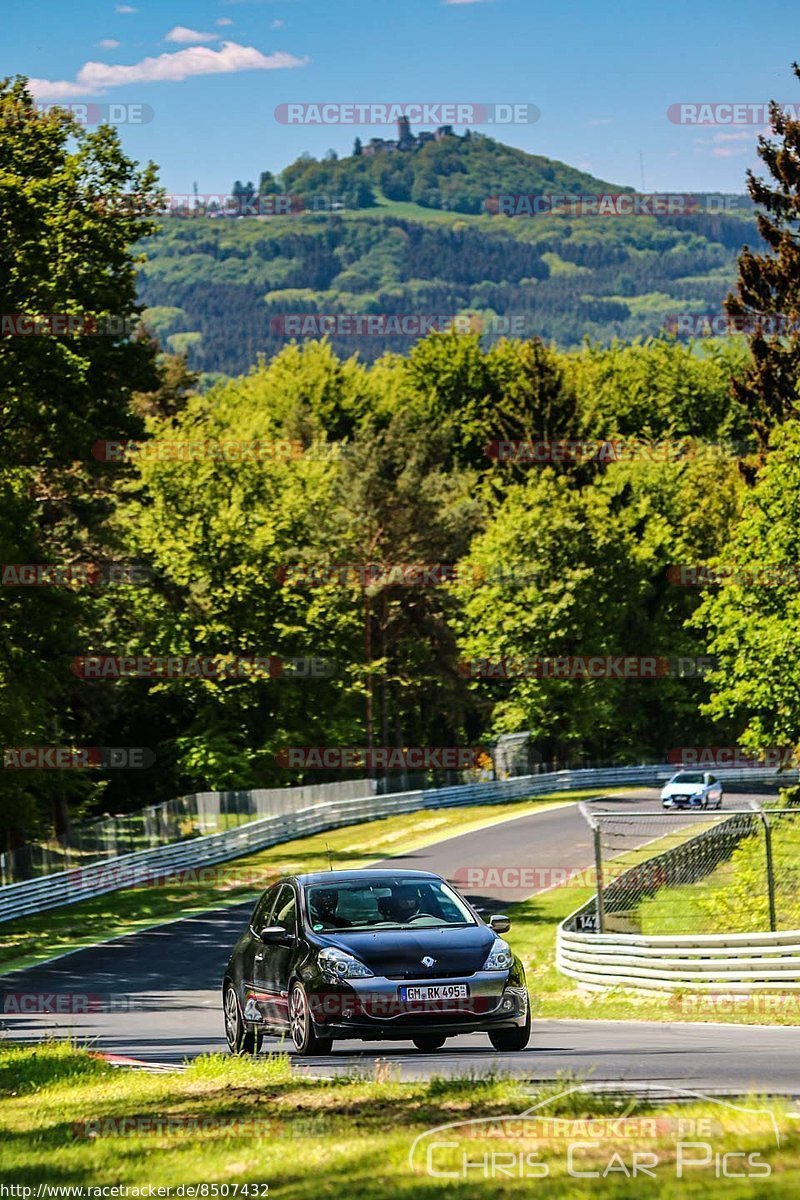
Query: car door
(251, 957)
(274, 960)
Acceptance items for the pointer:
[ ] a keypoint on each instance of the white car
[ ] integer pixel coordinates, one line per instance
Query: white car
(692, 789)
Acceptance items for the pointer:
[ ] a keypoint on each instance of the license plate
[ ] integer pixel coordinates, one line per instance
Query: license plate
(442, 991)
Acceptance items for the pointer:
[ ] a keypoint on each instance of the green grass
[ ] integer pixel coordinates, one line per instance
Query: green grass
(237, 1121)
(735, 897)
(34, 938)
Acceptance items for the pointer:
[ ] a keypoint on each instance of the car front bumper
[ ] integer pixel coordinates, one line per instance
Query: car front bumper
(372, 1008)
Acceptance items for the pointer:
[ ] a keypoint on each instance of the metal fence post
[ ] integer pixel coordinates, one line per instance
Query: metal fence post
(594, 825)
(770, 867)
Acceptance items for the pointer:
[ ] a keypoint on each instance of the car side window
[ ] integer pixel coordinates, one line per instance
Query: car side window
(263, 908)
(285, 913)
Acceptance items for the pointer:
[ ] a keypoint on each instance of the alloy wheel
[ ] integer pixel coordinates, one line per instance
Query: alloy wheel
(298, 1017)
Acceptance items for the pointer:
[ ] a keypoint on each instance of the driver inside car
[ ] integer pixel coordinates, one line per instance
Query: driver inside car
(402, 906)
(323, 908)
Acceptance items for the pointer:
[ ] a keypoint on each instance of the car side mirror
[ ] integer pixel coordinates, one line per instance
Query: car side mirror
(275, 935)
(499, 923)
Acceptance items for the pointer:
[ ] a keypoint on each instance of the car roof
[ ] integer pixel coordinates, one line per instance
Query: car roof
(353, 876)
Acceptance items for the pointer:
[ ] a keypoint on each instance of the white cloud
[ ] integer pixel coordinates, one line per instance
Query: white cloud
(56, 89)
(190, 37)
(277, 24)
(600, 121)
(223, 21)
(744, 142)
(464, 1)
(125, 8)
(108, 44)
(95, 77)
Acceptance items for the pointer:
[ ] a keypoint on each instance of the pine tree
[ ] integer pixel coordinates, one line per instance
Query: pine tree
(768, 289)
(357, 148)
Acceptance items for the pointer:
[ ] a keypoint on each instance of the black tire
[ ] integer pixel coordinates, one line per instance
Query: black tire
(304, 1037)
(509, 1040)
(240, 1039)
(429, 1042)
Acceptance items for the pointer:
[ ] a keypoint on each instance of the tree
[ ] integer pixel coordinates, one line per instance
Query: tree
(71, 207)
(267, 184)
(768, 290)
(752, 619)
(357, 148)
(582, 572)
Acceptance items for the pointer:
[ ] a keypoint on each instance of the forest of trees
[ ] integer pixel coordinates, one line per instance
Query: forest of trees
(216, 289)
(317, 461)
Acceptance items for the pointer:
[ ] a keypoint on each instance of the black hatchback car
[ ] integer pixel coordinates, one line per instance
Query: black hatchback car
(394, 955)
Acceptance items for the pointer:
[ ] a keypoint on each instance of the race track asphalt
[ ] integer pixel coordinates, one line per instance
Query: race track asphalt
(154, 995)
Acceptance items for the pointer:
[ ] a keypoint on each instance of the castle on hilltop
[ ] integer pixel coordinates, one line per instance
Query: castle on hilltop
(406, 140)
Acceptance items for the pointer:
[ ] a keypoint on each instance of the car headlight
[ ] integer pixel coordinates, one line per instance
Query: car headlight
(336, 964)
(500, 958)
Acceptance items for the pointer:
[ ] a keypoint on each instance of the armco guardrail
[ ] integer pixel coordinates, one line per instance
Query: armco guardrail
(68, 887)
(718, 962)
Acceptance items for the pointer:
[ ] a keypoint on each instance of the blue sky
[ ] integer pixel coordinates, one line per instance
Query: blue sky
(602, 75)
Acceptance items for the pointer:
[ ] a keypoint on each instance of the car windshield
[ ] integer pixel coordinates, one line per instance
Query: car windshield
(397, 903)
(688, 777)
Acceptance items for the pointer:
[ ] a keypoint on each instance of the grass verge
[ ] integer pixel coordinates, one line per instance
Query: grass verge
(69, 1120)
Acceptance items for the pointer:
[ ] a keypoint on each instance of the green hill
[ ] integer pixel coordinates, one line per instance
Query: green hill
(406, 242)
(457, 173)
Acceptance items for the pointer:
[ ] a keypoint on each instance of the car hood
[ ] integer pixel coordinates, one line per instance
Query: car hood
(685, 789)
(398, 953)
